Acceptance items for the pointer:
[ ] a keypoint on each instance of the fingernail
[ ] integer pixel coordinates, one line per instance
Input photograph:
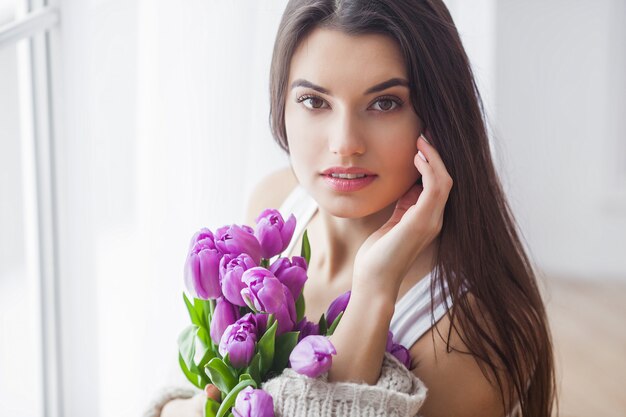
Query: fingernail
(424, 137)
(421, 155)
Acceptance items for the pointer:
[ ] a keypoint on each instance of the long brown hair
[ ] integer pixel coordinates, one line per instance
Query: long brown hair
(479, 250)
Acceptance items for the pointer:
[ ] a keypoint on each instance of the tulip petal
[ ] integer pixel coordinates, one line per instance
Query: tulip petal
(209, 273)
(312, 356)
(241, 352)
(287, 230)
(337, 306)
(402, 354)
(270, 239)
(252, 402)
(224, 315)
(192, 276)
(294, 279)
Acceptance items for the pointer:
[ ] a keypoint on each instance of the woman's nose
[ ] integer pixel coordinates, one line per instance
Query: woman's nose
(346, 138)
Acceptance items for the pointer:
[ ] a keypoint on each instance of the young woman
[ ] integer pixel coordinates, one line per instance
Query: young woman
(376, 104)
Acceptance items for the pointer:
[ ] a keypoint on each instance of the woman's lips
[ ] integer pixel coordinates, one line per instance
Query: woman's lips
(348, 185)
(346, 170)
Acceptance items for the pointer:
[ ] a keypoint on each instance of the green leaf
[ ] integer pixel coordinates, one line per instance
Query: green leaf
(221, 375)
(333, 326)
(192, 377)
(305, 252)
(202, 356)
(300, 307)
(266, 347)
(226, 360)
(270, 320)
(206, 357)
(187, 345)
(211, 407)
(193, 315)
(199, 306)
(323, 325)
(284, 345)
(245, 376)
(254, 369)
(232, 396)
(209, 308)
(204, 337)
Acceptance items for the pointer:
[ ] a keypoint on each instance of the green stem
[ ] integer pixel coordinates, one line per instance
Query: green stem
(208, 330)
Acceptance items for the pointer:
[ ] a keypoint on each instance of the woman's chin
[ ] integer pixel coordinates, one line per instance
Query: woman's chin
(350, 207)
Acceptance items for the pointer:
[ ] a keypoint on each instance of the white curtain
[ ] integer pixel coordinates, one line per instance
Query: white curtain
(165, 130)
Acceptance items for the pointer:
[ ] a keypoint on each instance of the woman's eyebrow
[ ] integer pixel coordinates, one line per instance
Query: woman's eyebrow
(378, 87)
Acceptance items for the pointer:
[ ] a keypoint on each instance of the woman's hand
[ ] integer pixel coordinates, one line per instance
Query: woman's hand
(390, 251)
(191, 407)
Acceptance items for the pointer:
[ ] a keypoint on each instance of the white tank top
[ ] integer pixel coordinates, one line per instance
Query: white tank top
(412, 317)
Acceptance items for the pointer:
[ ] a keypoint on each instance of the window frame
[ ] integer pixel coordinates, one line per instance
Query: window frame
(36, 20)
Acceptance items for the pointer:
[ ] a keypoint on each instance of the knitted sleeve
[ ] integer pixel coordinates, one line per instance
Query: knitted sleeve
(397, 393)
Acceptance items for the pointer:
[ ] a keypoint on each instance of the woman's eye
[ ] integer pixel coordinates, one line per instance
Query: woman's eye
(313, 102)
(387, 104)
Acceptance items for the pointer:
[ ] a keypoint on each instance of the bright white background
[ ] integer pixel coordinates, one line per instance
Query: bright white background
(161, 127)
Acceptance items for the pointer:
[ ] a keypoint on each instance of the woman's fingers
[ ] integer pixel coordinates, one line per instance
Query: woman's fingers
(435, 176)
(436, 187)
(408, 200)
(433, 158)
(211, 391)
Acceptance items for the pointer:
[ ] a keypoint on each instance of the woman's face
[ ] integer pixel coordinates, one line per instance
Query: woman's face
(345, 125)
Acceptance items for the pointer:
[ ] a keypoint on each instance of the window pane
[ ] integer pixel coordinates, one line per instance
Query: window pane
(20, 341)
(8, 9)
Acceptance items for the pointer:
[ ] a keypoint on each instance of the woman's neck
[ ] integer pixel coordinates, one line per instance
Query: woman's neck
(335, 242)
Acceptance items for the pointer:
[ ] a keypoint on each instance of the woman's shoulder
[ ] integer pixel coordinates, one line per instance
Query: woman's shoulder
(270, 191)
(441, 359)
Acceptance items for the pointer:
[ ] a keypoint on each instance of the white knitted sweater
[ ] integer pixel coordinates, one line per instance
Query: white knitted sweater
(397, 393)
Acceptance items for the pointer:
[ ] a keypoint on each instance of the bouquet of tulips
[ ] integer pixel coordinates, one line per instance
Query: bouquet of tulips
(247, 315)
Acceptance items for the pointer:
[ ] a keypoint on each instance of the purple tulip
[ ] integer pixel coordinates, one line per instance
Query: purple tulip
(261, 323)
(266, 294)
(398, 351)
(336, 307)
(252, 402)
(306, 328)
(202, 270)
(291, 273)
(236, 240)
(312, 356)
(231, 270)
(201, 234)
(263, 291)
(402, 354)
(224, 315)
(239, 340)
(273, 233)
(286, 315)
